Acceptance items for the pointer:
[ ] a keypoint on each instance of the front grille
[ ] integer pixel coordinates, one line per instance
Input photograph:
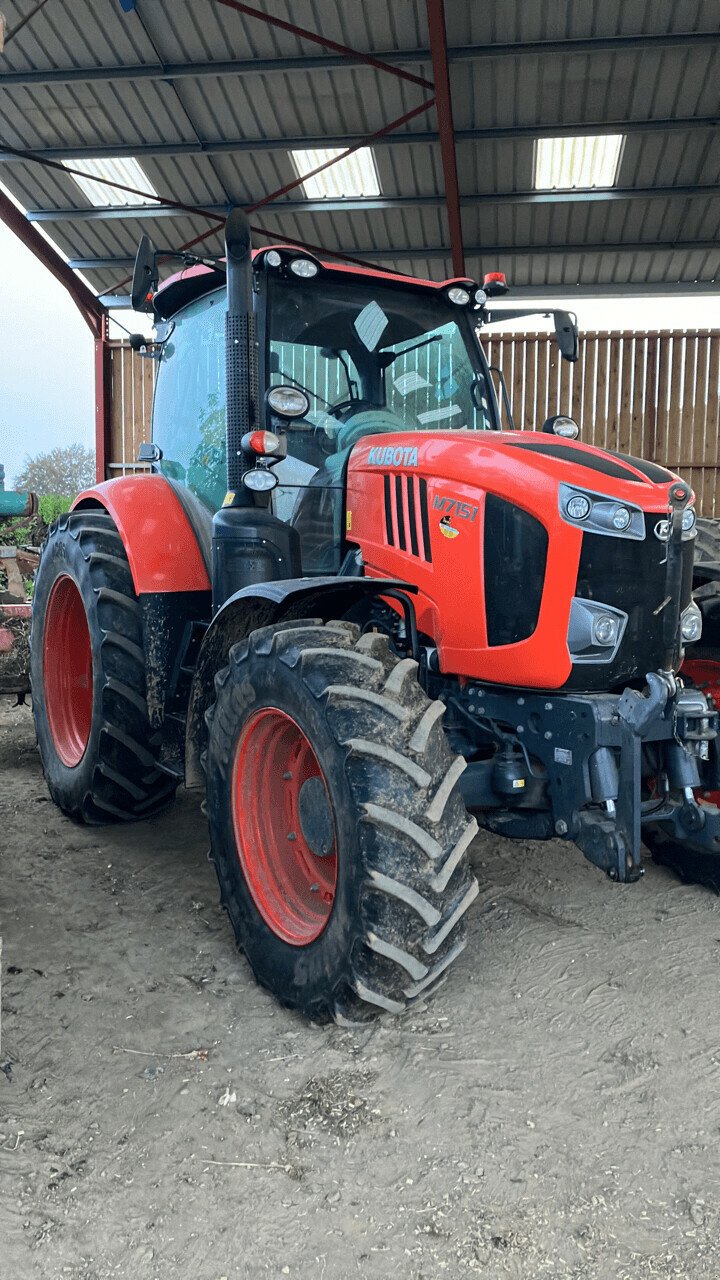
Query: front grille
(406, 515)
(628, 575)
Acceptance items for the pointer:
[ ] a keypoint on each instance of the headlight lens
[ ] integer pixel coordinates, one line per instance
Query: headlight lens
(621, 518)
(691, 623)
(288, 402)
(459, 296)
(688, 520)
(481, 297)
(273, 258)
(605, 630)
(578, 507)
(304, 267)
(259, 480)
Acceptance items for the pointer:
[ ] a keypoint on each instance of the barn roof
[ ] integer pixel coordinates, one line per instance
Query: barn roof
(211, 100)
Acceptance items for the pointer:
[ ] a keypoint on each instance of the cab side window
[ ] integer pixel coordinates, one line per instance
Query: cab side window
(189, 403)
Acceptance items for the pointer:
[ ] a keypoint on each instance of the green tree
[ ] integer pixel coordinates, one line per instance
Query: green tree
(63, 471)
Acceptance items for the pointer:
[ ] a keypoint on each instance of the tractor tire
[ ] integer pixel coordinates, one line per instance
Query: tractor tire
(707, 541)
(337, 829)
(87, 670)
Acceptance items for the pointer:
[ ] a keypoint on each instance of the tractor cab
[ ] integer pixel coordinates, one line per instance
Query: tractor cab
(343, 354)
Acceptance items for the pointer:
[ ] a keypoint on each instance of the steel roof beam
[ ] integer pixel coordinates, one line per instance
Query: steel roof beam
(435, 252)
(446, 129)
(490, 134)
(331, 61)
(369, 204)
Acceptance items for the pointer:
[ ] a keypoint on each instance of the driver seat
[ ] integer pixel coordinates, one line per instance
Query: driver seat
(317, 516)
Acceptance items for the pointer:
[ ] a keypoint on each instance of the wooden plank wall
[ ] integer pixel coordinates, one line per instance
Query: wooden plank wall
(652, 394)
(132, 383)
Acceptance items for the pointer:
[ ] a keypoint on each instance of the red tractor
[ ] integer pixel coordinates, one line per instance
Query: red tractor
(358, 613)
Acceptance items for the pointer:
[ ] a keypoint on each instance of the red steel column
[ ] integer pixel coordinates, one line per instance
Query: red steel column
(438, 48)
(103, 379)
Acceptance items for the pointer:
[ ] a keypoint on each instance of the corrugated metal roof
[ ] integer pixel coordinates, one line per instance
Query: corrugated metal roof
(92, 76)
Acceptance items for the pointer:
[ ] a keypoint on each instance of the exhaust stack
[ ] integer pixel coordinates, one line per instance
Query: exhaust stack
(240, 352)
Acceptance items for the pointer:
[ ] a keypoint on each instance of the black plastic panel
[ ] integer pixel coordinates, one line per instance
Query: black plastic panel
(591, 461)
(630, 576)
(515, 551)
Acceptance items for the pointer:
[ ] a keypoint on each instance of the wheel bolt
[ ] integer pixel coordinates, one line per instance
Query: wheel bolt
(292, 835)
(287, 776)
(314, 888)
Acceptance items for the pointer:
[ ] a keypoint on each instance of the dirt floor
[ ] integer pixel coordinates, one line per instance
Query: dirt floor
(553, 1111)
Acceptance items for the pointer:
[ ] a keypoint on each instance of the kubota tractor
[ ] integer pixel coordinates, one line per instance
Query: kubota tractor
(358, 613)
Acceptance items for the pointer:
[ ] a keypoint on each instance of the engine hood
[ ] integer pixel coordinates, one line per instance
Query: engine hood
(532, 460)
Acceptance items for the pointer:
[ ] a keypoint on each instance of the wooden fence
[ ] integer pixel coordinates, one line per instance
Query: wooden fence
(132, 380)
(651, 394)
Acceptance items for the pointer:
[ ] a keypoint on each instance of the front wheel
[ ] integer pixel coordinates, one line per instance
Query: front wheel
(337, 829)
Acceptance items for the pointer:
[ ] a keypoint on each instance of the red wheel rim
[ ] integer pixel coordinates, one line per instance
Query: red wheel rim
(68, 672)
(292, 887)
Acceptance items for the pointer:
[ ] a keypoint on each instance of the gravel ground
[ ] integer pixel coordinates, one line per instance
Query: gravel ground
(552, 1112)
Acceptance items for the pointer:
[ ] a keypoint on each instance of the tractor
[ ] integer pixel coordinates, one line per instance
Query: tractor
(365, 619)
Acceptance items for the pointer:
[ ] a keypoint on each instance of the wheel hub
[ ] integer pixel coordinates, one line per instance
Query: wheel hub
(316, 820)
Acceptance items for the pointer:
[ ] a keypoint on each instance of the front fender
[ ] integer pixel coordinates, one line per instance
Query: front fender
(161, 546)
(262, 605)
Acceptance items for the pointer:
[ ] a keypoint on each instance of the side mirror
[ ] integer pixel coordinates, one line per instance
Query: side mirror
(145, 276)
(561, 425)
(566, 332)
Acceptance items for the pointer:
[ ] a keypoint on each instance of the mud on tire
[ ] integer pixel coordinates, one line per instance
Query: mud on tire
(118, 777)
(402, 830)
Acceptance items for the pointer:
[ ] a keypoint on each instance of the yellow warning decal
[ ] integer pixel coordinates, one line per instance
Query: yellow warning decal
(228, 499)
(348, 521)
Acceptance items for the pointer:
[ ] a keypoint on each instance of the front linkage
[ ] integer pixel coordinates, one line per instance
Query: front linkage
(575, 765)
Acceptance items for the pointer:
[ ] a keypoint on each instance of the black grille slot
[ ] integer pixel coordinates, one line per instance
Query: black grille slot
(400, 513)
(388, 512)
(424, 520)
(411, 515)
(414, 529)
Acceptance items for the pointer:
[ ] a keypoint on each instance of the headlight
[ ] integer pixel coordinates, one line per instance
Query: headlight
(605, 630)
(481, 297)
(288, 402)
(691, 623)
(304, 267)
(595, 631)
(621, 518)
(688, 520)
(259, 480)
(578, 507)
(459, 296)
(273, 258)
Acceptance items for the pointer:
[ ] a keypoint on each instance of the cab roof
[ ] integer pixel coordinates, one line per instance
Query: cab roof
(193, 282)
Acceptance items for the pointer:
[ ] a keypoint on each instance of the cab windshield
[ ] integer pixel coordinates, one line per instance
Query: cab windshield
(374, 358)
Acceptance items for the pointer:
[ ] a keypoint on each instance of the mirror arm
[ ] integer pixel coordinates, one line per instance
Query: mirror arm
(506, 399)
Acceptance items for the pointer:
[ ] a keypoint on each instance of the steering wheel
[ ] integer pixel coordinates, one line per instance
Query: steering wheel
(367, 422)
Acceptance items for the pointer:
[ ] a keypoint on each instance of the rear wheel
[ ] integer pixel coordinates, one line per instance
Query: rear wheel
(337, 829)
(98, 751)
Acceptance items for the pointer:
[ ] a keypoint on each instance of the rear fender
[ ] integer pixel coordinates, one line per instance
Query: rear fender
(262, 605)
(162, 547)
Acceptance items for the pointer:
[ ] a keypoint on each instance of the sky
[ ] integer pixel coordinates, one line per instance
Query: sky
(46, 350)
(46, 361)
